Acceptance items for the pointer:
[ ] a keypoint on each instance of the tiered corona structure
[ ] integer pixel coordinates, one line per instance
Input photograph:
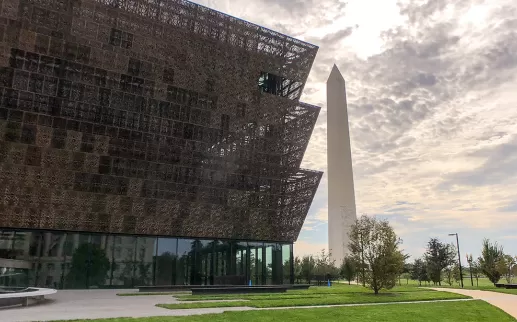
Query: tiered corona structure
(151, 118)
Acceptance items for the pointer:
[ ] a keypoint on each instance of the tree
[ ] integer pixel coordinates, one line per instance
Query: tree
(438, 257)
(308, 267)
(448, 275)
(456, 273)
(406, 272)
(419, 271)
(90, 266)
(348, 269)
(297, 268)
(491, 254)
(505, 267)
(325, 266)
(476, 271)
(375, 243)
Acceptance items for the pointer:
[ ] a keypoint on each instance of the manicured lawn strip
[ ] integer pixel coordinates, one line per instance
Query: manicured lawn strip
(313, 291)
(152, 293)
(353, 298)
(472, 311)
(482, 284)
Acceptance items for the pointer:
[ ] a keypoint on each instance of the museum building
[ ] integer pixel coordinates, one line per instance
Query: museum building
(149, 142)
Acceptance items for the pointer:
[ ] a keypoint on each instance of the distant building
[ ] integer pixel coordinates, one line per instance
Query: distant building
(149, 142)
(341, 195)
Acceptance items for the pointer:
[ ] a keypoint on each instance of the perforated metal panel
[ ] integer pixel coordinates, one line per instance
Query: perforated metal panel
(146, 117)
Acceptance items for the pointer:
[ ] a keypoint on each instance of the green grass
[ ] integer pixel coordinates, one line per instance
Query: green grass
(470, 311)
(482, 284)
(338, 294)
(152, 293)
(315, 291)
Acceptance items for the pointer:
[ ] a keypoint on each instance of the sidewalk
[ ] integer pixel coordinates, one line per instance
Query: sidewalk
(506, 302)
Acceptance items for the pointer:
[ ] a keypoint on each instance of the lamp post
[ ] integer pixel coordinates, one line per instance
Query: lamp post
(459, 257)
(469, 260)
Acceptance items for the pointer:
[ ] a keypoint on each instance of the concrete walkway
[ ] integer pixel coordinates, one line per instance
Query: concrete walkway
(506, 302)
(98, 304)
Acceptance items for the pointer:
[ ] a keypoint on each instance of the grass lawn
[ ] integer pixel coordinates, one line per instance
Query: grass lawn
(483, 284)
(470, 311)
(315, 291)
(337, 294)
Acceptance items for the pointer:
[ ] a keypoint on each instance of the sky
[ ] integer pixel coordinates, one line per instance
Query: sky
(432, 100)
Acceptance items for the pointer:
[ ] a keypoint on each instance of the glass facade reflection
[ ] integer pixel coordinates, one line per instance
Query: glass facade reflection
(73, 260)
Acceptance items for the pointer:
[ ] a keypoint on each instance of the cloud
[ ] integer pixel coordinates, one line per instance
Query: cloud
(431, 98)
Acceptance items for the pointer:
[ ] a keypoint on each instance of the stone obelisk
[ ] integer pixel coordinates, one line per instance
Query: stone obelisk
(341, 195)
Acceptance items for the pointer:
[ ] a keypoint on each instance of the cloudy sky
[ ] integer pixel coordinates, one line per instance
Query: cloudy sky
(432, 94)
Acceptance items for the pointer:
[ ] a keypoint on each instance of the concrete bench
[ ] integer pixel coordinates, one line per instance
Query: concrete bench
(22, 297)
(238, 290)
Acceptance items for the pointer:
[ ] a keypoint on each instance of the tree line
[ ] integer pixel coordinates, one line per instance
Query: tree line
(375, 260)
(375, 257)
(440, 264)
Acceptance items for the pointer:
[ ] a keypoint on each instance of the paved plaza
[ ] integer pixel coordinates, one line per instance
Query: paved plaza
(96, 304)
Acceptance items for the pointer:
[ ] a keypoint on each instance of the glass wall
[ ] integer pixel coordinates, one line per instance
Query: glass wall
(166, 261)
(68, 260)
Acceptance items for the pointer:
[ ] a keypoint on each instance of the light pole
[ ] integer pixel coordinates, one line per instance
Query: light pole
(469, 260)
(459, 256)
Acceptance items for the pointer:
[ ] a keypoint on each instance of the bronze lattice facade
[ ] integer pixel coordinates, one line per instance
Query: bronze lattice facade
(148, 117)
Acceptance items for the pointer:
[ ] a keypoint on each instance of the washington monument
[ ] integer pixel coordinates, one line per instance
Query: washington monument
(341, 195)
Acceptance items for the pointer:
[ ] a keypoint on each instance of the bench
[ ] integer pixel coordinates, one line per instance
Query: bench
(238, 290)
(22, 296)
(499, 285)
(511, 286)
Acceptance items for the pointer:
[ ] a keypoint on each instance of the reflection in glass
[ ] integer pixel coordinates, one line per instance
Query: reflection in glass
(76, 261)
(124, 258)
(286, 262)
(89, 264)
(242, 261)
(269, 264)
(184, 270)
(145, 252)
(166, 261)
(50, 271)
(255, 263)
